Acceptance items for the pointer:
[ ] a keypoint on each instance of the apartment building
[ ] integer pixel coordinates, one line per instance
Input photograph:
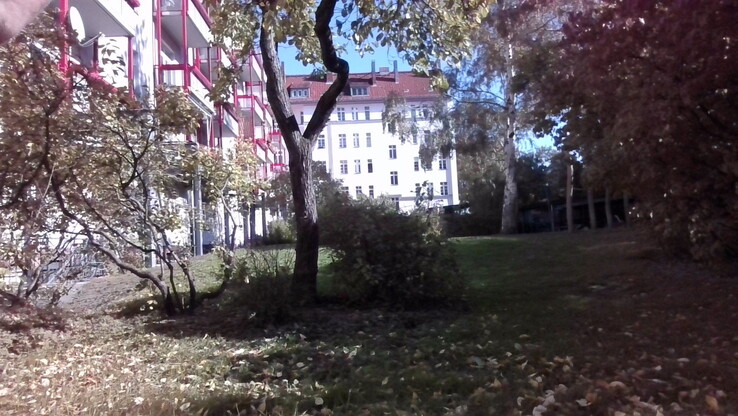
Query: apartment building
(356, 150)
(168, 42)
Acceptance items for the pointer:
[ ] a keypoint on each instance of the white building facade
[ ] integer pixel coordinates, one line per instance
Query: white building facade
(168, 42)
(357, 151)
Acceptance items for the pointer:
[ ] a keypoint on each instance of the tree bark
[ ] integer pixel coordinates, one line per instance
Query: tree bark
(300, 145)
(608, 208)
(308, 230)
(569, 195)
(591, 206)
(510, 198)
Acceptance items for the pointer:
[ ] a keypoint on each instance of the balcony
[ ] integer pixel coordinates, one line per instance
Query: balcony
(252, 71)
(175, 14)
(230, 123)
(110, 17)
(192, 80)
(253, 108)
(278, 167)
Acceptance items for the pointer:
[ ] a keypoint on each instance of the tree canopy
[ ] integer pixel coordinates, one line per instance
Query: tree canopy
(647, 93)
(422, 31)
(81, 158)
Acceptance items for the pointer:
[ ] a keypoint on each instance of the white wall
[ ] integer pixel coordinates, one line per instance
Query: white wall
(379, 154)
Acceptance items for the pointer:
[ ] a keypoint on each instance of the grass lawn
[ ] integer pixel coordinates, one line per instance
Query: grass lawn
(592, 324)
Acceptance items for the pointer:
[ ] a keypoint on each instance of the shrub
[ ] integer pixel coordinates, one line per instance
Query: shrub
(280, 232)
(385, 256)
(261, 284)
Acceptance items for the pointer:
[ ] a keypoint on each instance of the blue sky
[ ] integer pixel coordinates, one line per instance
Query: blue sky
(382, 56)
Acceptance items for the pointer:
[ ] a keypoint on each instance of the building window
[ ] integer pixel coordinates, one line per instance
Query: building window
(344, 189)
(299, 93)
(367, 113)
(341, 113)
(427, 136)
(393, 178)
(369, 166)
(344, 167)
(417, 189)
(371, 191)
(393, 151)
(396, 200)
(359, 192)
(342, 141)
(444, 188)
(321, 142)
(356, 140)
(442, 164)
(415, 138)
(368, 140)
(357, 166)
(416, 164)
(429, 189)
(354, 113)
(360, 91)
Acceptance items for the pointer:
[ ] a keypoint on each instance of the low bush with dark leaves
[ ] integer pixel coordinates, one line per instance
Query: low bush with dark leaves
(383, 256)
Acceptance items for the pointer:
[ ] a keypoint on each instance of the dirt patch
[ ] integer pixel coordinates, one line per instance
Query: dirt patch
(99, 294)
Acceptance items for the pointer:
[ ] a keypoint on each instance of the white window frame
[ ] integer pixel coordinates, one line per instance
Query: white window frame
(394, 178)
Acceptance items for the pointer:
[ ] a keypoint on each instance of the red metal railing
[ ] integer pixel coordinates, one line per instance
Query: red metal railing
(203, 11)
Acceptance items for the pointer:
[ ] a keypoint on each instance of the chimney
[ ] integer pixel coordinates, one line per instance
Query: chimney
(374, 73)
(397, 78)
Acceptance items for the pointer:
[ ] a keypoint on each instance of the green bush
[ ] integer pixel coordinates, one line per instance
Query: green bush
(262, 282)
(385, 256)
(280, 232)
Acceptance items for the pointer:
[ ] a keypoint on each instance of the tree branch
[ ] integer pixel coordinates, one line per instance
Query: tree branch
(332, 63)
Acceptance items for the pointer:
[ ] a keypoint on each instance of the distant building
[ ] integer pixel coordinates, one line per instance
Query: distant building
(357, 151)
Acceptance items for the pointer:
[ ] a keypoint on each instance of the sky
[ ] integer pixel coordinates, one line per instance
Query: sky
(383, 57)
(357, 64)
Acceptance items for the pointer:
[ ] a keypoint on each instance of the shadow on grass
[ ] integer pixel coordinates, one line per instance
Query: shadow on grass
(545, 310)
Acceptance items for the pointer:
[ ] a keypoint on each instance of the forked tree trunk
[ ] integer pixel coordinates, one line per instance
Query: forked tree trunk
(300, 144)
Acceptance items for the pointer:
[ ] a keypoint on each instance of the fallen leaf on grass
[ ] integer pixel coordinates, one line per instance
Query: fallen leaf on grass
(712, 403)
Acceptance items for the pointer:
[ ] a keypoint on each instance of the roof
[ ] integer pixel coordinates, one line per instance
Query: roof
(410, 86)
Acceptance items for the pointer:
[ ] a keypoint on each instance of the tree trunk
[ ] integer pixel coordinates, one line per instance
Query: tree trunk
(569, 195)
(510, 198)
(299, 145)
(591, 206)
(306, 220)
(608, 208)
(626, 209)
